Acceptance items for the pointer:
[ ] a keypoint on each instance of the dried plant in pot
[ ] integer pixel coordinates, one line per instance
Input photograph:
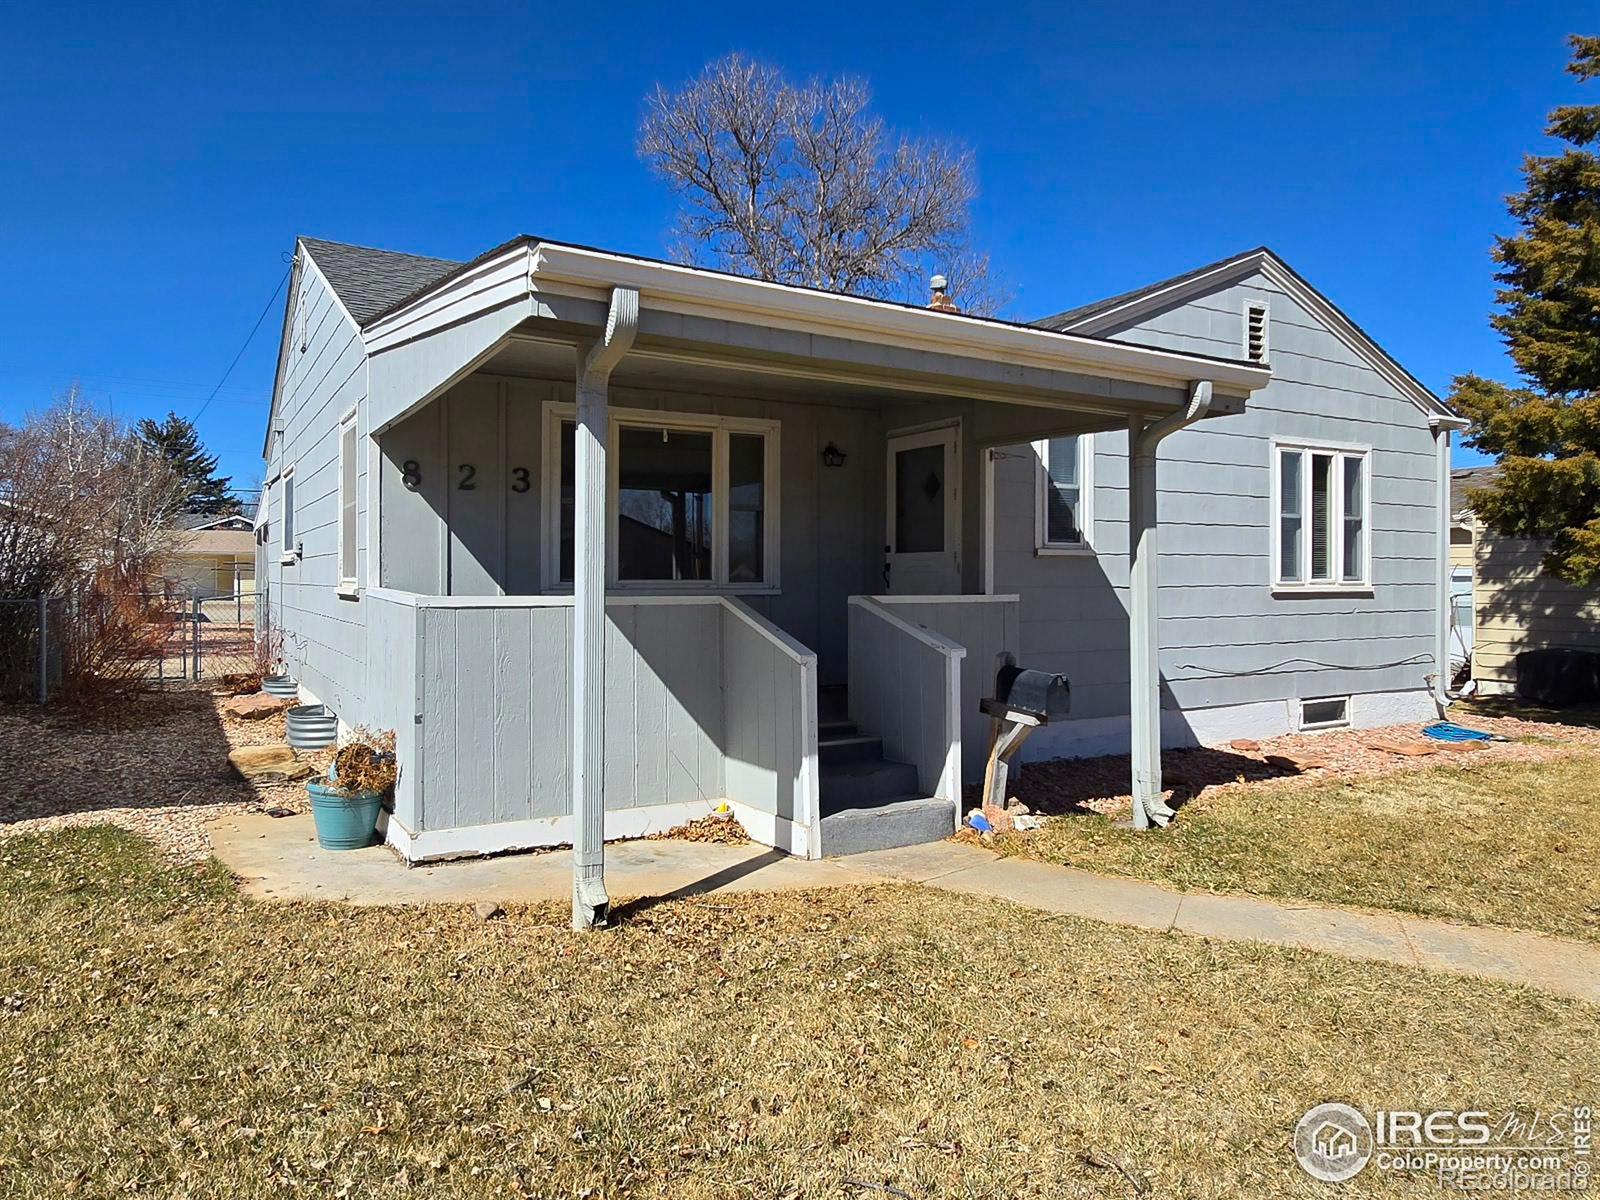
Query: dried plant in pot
(346, 805)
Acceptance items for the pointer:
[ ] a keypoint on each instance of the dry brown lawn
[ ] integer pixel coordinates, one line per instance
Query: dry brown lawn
(1514, 844)
(161, 1035)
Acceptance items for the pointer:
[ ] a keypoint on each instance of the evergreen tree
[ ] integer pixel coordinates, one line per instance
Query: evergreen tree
(1546, 433)
(177, 441)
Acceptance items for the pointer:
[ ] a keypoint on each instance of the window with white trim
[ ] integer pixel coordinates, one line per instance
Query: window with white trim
(1064, 500)
(1320, 495)
(691, 500)
(287, 522)
(347, 502)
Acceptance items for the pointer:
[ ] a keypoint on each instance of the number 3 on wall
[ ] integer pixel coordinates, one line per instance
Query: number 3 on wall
(519, 480)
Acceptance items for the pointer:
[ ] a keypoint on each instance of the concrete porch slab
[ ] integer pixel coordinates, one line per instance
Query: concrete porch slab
(277, 858)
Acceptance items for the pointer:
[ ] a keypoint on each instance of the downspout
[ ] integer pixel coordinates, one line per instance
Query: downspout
(1440, 678)
(1144, 667)
(591, 905)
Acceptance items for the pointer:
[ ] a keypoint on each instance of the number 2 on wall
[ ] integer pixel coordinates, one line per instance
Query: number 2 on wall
(469, 478)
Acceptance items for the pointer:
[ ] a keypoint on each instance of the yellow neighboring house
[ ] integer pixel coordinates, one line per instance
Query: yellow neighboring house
(214, 556)
(1503, 601)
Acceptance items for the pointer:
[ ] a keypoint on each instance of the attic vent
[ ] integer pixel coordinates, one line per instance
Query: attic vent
(1255, 332)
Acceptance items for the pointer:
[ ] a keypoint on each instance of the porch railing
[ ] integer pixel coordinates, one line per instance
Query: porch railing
(905, 687)
(706, 701)
(987, 626)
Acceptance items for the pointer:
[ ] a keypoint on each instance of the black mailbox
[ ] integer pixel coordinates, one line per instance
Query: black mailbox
(1038, 693)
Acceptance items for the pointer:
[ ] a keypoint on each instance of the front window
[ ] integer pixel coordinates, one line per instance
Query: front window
(690, 503)
(1064, 518)
(665, 518)
(1321, 520)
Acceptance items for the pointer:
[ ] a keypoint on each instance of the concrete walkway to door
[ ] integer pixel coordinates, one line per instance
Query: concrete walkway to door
(1561, 965)
(279, 859)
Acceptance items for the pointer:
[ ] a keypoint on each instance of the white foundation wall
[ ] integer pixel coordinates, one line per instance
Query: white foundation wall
(1095, 736)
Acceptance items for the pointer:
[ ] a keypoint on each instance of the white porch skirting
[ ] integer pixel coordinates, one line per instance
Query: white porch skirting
(505, 837)
(1214, 726)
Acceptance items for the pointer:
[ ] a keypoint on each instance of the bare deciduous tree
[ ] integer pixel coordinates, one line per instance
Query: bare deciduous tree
(86, 515)
(803, 185)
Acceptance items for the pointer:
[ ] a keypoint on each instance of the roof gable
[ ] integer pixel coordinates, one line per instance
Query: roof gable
(1115, 311)
(367, 281)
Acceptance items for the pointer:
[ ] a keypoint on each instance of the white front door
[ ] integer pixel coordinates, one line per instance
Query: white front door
(922, 542)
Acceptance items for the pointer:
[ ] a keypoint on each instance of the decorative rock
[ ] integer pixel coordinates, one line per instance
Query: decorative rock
(488, 910)
(1297, 766)
(256, 707)
(1405, 749)
(268, 764)
(1248, 745)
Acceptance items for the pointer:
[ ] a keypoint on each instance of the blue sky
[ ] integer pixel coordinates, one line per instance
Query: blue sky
(158, 164)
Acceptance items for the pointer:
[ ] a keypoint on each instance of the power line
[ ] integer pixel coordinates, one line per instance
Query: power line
(248, 339)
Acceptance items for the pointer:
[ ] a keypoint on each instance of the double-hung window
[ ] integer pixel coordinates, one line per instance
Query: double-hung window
(347, 503)
(1064, 507)
(1320, 524)
(691, 501)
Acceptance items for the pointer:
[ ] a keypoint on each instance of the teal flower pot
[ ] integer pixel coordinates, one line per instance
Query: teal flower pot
(345, 820)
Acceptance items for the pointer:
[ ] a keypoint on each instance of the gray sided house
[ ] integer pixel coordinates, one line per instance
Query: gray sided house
(596, 534)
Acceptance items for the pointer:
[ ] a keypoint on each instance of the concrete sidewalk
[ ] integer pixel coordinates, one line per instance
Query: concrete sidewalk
(1570, 968)
(279, 859)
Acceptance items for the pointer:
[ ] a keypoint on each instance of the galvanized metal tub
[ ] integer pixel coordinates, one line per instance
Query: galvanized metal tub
(311, 727)
(281, 685)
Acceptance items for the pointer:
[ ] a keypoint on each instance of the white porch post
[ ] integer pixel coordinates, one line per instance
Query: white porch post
(1144, 665)
(590, 903)
(1144, 699)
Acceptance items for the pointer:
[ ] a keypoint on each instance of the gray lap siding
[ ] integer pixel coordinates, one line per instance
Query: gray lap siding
(1225, 637)
(324, 634)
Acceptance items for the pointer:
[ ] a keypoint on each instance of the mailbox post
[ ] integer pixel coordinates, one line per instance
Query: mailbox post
(1023, 700)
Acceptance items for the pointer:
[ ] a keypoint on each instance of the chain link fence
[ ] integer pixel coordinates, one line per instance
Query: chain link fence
(30, 658)
(196, 639)
(208, 637)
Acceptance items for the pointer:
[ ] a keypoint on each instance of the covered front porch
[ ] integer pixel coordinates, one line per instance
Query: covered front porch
(642, 548)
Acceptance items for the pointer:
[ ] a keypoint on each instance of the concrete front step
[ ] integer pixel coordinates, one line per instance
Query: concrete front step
(849, 748)
(858, 784)
(884, 826)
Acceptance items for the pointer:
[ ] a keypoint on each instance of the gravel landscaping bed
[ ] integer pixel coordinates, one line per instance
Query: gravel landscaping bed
(1100, 785)
(159, 769)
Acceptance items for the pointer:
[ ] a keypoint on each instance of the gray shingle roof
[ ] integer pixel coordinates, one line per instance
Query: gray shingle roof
(1464, 481)
(191, 521)
(1065, 320)
(371, 281)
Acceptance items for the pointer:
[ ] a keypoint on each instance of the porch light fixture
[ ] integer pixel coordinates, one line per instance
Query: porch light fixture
(832, 456)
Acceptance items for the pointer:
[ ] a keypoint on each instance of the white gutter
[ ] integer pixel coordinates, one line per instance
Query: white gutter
(666, 287)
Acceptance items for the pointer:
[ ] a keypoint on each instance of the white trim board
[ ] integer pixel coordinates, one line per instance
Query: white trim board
(539, 833)
(557, 269)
